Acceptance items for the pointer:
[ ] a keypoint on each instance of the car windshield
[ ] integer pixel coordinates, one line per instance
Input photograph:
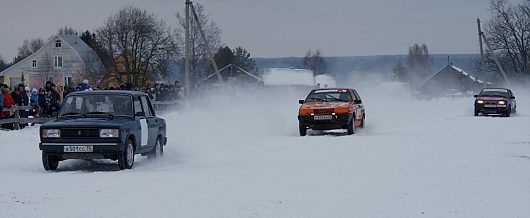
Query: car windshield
(97, 105)
(495, 93)
(327, 95)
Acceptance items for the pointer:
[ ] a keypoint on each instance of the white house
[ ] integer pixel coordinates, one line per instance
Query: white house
(64, 59)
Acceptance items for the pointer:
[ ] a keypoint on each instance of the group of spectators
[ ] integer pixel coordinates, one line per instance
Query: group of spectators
(46, 101)
(43, 102)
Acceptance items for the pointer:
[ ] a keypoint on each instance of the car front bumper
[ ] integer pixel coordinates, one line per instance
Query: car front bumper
(338, 121)
(498, 109)
(100, 150)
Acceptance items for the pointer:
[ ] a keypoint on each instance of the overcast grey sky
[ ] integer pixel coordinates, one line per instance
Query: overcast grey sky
(275, 28)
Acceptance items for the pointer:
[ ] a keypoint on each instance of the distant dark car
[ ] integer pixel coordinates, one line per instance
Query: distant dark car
(103, 125)
(495, 101)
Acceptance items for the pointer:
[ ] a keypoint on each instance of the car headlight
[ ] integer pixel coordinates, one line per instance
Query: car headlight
(480, 102)
(51, 133)
(109, 133)
(501, 102)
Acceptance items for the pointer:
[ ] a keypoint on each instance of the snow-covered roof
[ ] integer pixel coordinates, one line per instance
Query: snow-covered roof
(458, 70)
(84, 51)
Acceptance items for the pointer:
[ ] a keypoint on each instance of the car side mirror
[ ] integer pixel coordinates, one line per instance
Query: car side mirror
(513, 97)
(357, 101)
(301, 101)
(140, 114)
(475, 96)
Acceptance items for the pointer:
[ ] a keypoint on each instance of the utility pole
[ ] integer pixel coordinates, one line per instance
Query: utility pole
(207, 45)
(497, 62)
(187, 85)
(481, 48)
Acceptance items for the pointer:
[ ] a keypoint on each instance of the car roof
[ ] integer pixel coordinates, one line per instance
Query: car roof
(495, 89)
(332, 89)
(110, 92)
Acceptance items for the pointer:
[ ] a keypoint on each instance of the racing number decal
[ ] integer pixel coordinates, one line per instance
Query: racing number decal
(358, 112)
(145, 132)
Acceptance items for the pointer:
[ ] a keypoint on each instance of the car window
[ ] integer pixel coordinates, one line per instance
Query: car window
(329, 95)
(145, 105)
(117, 105)
(495, 93)
(357, 97)
(137, 106)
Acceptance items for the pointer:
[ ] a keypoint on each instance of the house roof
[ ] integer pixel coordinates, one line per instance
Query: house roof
(451, 67)
(84, 51)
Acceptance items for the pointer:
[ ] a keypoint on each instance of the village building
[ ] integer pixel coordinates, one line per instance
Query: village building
(64, 60)
(451, 80)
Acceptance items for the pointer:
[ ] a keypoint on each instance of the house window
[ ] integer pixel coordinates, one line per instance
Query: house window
(34, 64)
(68, 80)
(58, 62)
(57, 43)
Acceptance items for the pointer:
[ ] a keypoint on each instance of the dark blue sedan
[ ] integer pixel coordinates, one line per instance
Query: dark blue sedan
(114, 125)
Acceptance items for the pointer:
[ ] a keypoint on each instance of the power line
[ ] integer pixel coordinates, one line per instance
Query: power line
(315, 14)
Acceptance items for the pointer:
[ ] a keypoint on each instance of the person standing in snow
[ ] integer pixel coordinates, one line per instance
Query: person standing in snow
(34, 101)
(85, 86)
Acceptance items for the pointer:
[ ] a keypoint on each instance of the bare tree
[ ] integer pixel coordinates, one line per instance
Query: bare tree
(199, 64)
(140, 40)
(508, 35)
(3, 64)
(93, 69)
(418, 62)
(45, 66)
(66, 30)
(314, 61)
(28, 48)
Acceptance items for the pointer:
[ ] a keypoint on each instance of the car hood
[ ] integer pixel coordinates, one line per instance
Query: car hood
(492, 98)
(323, 105)
(89, 122)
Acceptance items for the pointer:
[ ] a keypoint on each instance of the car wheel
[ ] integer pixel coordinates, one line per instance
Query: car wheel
(302, 129)
(351, 127)
(157, 152)
(362, 122)
(49, 162)
(126, 159)
(476, 112)
(507, 113)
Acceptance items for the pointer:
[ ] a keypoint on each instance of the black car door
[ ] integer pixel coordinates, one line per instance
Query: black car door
(152, 122)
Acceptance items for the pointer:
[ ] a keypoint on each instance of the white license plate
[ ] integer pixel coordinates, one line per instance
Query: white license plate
(323, 117)
(88, 148)
(490, 105)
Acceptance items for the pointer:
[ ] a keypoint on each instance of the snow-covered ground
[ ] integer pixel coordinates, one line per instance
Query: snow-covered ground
(240, 156)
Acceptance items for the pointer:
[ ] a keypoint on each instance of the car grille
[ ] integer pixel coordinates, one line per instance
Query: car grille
(79, 133)
(324, 111)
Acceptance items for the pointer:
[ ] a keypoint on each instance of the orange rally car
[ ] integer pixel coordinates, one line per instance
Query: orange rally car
(331, 108)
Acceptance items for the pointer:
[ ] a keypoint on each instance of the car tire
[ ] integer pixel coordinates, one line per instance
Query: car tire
(507, 113)
(126, 159)
(351, 127)
(362, 122)
(476, 112)
(157, 152)
(302, 129)
(49, 162)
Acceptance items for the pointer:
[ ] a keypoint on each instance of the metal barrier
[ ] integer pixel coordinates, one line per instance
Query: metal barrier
(159, 106)
(17, 120)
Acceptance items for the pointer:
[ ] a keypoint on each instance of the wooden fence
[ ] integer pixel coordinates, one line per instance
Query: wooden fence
(159, 106)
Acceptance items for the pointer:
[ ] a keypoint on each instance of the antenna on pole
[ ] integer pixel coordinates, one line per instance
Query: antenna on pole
(187, 85)
(207, 45)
